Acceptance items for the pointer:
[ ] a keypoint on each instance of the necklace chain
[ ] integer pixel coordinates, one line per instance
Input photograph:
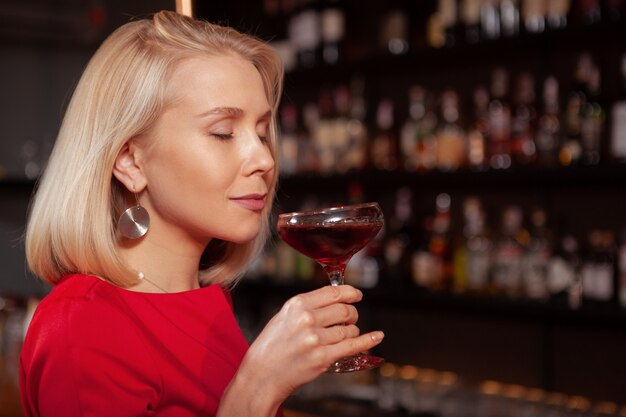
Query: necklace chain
(142, 277)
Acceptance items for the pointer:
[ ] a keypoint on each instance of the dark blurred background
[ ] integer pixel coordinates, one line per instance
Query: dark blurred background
(492, 132)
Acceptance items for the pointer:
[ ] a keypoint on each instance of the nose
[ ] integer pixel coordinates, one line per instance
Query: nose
(259, 159)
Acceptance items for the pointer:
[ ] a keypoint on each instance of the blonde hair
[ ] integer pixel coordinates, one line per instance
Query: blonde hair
(71, 226)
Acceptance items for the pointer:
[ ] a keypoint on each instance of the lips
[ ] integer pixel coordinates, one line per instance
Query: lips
(254, 202)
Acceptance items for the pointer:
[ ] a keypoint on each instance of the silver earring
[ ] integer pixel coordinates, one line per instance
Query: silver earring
(134, 221)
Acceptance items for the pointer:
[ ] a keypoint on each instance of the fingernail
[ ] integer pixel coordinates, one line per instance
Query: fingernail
(378, 336)
(360, 293)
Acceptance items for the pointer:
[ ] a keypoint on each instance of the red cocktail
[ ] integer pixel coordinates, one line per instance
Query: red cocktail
(331, 236)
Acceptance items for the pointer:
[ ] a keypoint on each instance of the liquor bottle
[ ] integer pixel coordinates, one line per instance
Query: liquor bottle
(288, 156)
(447, 10)
(431, 261)
(548, 136)
(524, 121)
(357, 131)
(472, 258)
(451, 146)
(557, 12)
(509, 247)
(618, 119)
(478, 131)
(490, 20)
(418, 143)
(509, 18)
(393, 31)
(499, 121)
(537, 256)
(534, 15)
(332, 32)
(308, 158)
(612, 10)
(588, 12)
(304, 33)
(340, 127)
(592, 121)
(598, 269)
(323, 133)
(276, 14)
(571, 148)
(398, 242)
(440, 245)
(564, 273)
(470, 16)
(383, 147)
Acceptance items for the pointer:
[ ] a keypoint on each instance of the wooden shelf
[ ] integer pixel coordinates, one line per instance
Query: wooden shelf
(411, 298)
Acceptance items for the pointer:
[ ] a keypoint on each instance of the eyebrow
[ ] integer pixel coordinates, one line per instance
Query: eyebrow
(231, 112)
(226, 111)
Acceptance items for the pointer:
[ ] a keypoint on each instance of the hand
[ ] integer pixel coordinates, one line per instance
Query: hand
(310, 332)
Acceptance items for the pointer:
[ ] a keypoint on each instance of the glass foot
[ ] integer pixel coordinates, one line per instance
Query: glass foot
(359, 362)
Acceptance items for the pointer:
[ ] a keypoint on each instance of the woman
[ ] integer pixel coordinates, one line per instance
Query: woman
(172, 131)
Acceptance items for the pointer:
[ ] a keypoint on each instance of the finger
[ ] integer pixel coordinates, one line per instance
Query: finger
(352, 346)
(328, 295)
(336, 314)
(336, 334)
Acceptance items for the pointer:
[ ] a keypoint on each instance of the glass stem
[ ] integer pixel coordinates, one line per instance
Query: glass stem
(335, 274)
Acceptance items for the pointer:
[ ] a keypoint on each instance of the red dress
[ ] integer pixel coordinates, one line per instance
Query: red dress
(93, 349)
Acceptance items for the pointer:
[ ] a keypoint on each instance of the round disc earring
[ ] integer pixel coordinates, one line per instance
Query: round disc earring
(134, 221)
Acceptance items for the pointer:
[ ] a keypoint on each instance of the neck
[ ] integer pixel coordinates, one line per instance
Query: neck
(166, 269)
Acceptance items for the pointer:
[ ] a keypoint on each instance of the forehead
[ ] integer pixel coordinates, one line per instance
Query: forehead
(217, 79)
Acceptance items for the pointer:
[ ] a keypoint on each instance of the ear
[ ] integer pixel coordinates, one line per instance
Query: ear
(127, 168)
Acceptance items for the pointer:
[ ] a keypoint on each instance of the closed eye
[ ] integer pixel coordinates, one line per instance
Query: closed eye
(222, 136)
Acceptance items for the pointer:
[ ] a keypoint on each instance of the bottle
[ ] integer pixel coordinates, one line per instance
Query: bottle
(304, 33)
(524, 120)
(508, 250)
(398, 242)
(288, 155)
(592, 121)
(393, 32)
(431, 261)
(440, 245)
(489, 20)
(537, 256)
(308, 158)
(323, 133)
(470, 16)
(548, 136)
(598, 269)
(588, 12)
(621, 270)
(383, 146)
(473, 256)
(509, 18)
(418, 143)
(409, 134)
(564, 273)
(534, 15)
(341, 129)
(332, 20)
(499, 121)
(451, 146)
(618, 119)
(357, 131)
(478, 131)
(571, 148)
(447, 10)
(612, 10)
(276, 14)
(557, 12)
